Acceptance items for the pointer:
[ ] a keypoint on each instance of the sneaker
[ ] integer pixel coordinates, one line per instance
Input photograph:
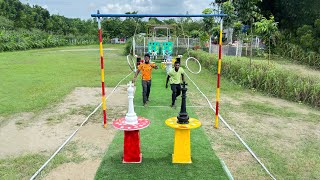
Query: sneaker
(145, 104)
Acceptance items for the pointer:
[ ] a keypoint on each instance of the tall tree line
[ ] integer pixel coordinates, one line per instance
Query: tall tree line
(291, 14)
(299, 24)
(289, 28)
(24, 27)
(26, 17)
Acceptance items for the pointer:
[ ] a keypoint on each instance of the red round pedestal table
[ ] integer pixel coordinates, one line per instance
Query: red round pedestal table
(131, 145)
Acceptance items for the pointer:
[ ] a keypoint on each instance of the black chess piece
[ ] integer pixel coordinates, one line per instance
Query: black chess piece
(183, 117)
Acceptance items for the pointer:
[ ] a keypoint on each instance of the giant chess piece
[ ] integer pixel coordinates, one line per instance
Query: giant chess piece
(131, 124)
(131, 116)
(182, 125)
(183, 117)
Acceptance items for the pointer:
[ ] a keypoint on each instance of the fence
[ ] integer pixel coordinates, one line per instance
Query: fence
(181, 45)
(238, 48)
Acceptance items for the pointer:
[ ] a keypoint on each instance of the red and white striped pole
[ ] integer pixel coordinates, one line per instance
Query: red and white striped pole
(104, 106)
(216, 123)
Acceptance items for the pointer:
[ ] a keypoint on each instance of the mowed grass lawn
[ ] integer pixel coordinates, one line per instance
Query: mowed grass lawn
(31, 80)
(157, 143)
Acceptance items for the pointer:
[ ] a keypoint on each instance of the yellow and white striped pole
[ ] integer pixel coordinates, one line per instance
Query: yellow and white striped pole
(216, 123)
(104, 106)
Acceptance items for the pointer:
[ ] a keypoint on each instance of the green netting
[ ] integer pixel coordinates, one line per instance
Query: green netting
(154, 47)
(167, 48)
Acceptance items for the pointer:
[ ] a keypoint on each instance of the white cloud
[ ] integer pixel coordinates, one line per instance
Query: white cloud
(92, 5)
(142, 6)
(194, 7)
(45, 6)
(83, 9)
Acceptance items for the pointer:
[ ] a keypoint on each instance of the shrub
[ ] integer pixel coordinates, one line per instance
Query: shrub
(272, 80)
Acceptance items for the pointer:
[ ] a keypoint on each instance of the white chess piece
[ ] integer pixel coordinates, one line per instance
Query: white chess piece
(131, 116)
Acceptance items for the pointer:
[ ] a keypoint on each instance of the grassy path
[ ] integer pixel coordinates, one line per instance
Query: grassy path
(157, 144)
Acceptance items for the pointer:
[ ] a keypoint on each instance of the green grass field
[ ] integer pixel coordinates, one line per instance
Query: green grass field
(157, 144)
(32, 80)
(283, 134)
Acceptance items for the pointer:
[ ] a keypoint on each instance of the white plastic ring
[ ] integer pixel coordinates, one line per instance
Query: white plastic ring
(196, 61)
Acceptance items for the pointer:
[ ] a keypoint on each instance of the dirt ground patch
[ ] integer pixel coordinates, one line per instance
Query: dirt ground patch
(44, 132)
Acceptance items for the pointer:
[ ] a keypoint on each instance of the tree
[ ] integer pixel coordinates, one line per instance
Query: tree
(228, 22)
(209, 22)
(266, 29)
(6, 23)
(248, 12)
(291, 14)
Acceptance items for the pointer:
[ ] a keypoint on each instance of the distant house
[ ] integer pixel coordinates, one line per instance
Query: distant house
(142, 34)
(118, 40)
(122, 40)
(115, 41)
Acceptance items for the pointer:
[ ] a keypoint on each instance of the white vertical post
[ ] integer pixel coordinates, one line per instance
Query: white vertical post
(237, 48)
(210, 45)
(177, 42)
(134, 46)
(177, 45)
(144, 45)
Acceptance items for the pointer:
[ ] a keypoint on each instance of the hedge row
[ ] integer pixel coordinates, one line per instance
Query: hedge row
(271, 79)
(298, 54)
(22, 39)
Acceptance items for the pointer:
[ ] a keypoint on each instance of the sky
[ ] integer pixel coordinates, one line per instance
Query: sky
(84, 8)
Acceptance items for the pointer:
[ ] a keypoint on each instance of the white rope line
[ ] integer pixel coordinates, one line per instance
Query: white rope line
(238, 136)
(57, 151)
(225, 167)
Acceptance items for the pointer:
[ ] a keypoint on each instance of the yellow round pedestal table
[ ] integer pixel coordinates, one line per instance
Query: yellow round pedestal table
(182, 149)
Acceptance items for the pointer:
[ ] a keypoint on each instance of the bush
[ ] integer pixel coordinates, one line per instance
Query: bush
(128, 47)
(22, 39)
(272, 80)
(298, 54)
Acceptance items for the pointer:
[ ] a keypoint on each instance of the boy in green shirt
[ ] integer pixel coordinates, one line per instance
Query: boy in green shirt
(175, 75)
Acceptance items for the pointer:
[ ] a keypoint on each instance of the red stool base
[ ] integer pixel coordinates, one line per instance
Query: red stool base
(131, 147)
(140, 160)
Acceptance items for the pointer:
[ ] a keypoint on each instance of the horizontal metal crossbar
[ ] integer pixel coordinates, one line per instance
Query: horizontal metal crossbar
(158, 15)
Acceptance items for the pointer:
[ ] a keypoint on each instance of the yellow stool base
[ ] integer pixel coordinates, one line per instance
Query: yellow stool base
(182, 147)
(182, 151)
